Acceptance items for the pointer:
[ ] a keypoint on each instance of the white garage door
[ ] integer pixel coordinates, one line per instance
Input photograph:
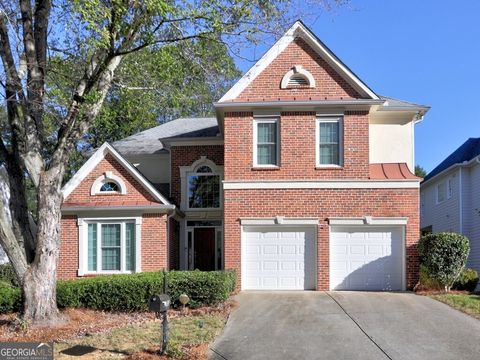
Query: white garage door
(278, 258)
(366, 258)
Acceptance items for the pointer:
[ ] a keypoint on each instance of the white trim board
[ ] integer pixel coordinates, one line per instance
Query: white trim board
(297, 30)
(95, 159)
(278, 220)
(334, 184)
(368, 220)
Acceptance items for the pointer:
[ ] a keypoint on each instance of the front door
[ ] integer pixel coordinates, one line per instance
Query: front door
(204, 249)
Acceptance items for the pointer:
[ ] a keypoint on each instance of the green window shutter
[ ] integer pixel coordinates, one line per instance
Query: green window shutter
(130, 246)
(111, 247)
(92, 247)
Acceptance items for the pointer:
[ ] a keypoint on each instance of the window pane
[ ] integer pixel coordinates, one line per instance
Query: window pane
(109, 186)
(266, 133)
(111, 247)
(441, 192)
(130, 244)
(204, 191)
(92, 247)
(267, 154)
(329, 143)
(111, 259)
(110, 235)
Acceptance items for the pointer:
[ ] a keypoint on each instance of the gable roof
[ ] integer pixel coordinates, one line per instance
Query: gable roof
(149, 141)
(298, 30)
(95, 159)
(401, 105)
(466, 152)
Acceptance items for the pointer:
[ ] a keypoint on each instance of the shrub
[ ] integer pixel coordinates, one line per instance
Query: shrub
(444, 255)
(426, 282)
(7, 274)
(131, 292)
(10, 298)
(467, 280)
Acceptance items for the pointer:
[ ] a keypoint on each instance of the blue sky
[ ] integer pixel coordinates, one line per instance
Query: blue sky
(423, 51)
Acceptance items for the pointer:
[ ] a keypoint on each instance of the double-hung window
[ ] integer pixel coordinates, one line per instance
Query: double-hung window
(111, 246)
(266, 142)
(329, 142)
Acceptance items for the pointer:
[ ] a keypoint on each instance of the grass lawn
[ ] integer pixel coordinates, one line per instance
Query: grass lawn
(468, 303)
(189, 338)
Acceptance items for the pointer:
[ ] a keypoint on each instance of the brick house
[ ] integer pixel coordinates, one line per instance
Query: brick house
(302, 180)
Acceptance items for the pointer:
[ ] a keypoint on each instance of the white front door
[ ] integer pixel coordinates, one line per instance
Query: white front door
(366, 258)
(278, 258)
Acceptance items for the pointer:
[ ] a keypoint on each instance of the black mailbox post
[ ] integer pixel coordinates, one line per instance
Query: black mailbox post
(160, 304)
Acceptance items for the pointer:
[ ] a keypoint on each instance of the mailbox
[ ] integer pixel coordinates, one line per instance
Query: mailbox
(159, 303)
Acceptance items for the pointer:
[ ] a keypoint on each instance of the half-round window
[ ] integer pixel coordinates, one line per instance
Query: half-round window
(204, 169)
(110, 187)
(297, 77)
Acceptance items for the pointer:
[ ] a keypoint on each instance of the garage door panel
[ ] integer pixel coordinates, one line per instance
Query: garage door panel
(286, 258)
(366, 258)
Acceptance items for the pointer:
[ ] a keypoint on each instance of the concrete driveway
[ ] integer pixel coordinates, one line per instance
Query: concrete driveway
(346, 325)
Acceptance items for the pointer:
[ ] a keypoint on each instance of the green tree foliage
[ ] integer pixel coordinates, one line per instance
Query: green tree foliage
(420, 171)
(444, 255)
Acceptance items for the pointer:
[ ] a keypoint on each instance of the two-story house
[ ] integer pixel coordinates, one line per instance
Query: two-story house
(450, 197)
(302, 180)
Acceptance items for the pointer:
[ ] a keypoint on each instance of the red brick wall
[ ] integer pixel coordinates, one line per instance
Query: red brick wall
(321, 203)
(329, 85)
(68, 260)
(154, 242)
(186, 156)
(153, 246)
(297, 150)
(136, 193)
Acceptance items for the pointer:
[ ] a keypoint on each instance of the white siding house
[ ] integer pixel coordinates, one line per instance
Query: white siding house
(450, 197)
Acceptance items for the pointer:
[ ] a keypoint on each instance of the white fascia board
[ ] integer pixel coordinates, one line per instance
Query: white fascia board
(95, 159)
(447, 170)
(136, 208)
(193, 141)
(368, 220)
(298, 29)
(335, 184)
(278, 220)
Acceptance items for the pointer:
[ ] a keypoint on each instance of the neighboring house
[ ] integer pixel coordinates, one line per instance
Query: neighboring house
(450, 197)
(302, 180)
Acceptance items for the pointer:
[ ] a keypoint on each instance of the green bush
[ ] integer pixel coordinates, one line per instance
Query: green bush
(444, 255)
(8, 275)
(131, 292)
(426, 282)
(10, 298)
(467, 280)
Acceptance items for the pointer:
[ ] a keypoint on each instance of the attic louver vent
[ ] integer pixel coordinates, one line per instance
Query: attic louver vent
(297, 80)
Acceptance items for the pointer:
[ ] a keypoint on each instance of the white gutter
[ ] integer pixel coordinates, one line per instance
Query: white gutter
(155, 208)
(462, 164)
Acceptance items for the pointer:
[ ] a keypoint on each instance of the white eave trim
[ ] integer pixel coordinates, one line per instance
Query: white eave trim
(95, 159)
(278, 220)
(447, 170)
(139, 208)
(334, 184)
(297, 30)
(369, 220)
(192, 141)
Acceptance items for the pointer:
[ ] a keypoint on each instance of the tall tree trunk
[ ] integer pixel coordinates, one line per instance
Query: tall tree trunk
(39, 282)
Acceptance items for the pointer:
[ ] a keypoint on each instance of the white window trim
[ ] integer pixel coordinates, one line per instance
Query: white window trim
(322, 119)
(186, 171)
(437, 200)
(108, 177)
(449, 188)
(83, 244)
(267, 120)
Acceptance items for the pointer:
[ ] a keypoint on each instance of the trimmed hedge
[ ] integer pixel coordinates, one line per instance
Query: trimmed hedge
(10, 298)
(131, 292)
(467, 280)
